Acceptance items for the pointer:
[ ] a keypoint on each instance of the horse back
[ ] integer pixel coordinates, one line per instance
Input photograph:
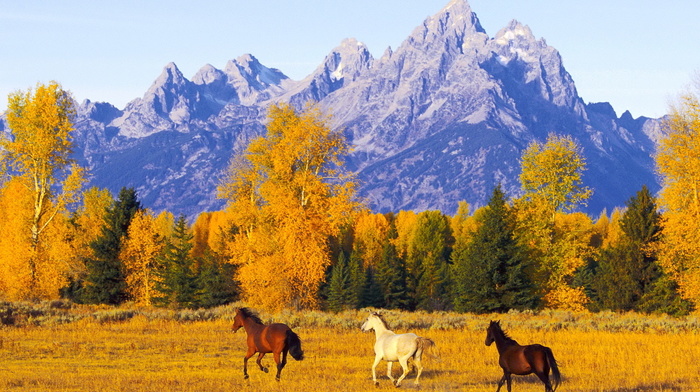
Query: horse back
(395, 346)
(528, 359)
(271, 338)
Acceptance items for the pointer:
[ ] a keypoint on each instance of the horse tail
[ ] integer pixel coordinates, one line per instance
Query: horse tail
(424, 345)
(293, 343)
(554, 367)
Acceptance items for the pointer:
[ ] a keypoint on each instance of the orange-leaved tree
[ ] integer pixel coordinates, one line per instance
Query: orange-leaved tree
(37, 154)
(140, 254)
(370, 235)
(406, 224)
(288, 194)
(86, 227)
(678, 163)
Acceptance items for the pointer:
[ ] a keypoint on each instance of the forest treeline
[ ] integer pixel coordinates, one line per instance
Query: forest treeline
(294, 234)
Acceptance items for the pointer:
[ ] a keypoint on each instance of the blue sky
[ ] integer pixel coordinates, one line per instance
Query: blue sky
(638, 55)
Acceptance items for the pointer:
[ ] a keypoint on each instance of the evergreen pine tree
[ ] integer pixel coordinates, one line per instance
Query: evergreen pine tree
(357, 279)
(629, 277)
(585, 277)
(105, 280)
(615, 281)
(214, 281)
(177, 279)
(663, 297)
(429, 261)
(372, 292)
(391, 276)
(338, 289)
(490, 273)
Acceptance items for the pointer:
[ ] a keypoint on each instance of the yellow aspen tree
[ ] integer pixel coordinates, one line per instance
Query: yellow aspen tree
(88, 221)
(569, 251)
(52, 263)
(57, 260)
(551, 173)
(600, 229)
(614, 232)
(678, 163)
(289, 194)
(200, 234)
(370, 236)
(462, 224)
(15, 245)
(38, 150)
(164, 223)
(463, 228)
(221, 228)
(406, 223)
(551, 181)
(142, 246)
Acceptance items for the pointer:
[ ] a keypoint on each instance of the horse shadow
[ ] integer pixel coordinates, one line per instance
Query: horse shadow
(530, 379)
(675, 386)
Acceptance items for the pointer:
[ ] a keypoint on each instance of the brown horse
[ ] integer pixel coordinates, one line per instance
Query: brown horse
(522, 360)
(277, 339)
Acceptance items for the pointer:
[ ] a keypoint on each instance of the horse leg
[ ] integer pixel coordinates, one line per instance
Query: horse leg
(280, 364)
(248, 354)
(259, 362)
(404, 366)
(545, 379)
(419, 367)
(508, 381)
(388, 371)
(501, 381)
(377, 359)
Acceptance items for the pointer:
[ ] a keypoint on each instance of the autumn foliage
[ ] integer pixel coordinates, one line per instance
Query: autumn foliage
(288, 195)
(293, 233)
(678, 162)
(37, 160)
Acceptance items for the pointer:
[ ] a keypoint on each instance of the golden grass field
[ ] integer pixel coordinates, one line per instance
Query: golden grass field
(160, 354)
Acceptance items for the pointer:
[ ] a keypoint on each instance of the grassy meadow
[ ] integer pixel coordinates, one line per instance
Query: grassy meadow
(69, 348)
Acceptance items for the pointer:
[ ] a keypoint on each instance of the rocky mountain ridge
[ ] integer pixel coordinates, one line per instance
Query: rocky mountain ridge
(443, 118)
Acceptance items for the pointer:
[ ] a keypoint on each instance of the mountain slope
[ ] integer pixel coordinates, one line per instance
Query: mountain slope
(443, 118)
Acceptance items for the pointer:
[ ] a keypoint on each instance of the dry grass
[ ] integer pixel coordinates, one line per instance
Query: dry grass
(142, 354)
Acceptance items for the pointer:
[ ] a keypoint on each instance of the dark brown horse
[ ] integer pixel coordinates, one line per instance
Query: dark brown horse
(522, 360)
(277, 339)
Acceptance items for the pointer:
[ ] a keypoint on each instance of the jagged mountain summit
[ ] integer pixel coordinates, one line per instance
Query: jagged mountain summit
(443, 118)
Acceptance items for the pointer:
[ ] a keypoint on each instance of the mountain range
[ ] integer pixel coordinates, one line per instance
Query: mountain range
(443, 118)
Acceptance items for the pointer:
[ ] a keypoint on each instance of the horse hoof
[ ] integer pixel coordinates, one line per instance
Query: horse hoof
(277, 378)
(245, 376)
(376, 384)
(265, 370)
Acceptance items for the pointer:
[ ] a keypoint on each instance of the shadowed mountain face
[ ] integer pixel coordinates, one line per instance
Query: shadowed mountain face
(443, 118)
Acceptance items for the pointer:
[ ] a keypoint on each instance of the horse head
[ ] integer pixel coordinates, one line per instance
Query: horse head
(237, 321)
(372, 321)
(490, 332)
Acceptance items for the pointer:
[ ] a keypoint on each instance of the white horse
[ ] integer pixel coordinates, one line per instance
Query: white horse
(392, 348)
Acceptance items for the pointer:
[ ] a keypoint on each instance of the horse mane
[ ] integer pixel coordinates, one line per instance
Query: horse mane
(247, 313)
(496, 325)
